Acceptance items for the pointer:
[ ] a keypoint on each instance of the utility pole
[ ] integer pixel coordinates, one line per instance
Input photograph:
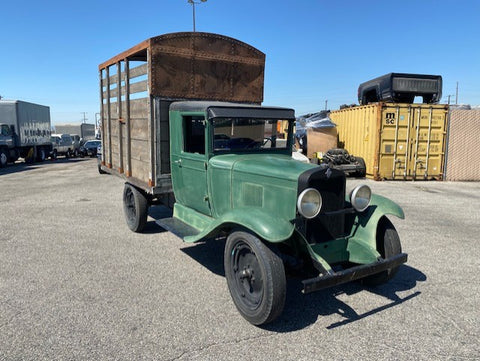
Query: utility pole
(326, 104)
(84, 117)
(448, 96)
(193, 2)
(456, 95)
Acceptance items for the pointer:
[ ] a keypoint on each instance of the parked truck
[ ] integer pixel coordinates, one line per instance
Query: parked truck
(183, 125)
(25, 131)
(85, 131)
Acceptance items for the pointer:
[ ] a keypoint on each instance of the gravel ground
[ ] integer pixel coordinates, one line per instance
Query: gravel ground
(76, 284)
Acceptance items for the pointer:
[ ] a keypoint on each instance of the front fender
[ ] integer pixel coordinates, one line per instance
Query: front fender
(362, 244)
(271, 229)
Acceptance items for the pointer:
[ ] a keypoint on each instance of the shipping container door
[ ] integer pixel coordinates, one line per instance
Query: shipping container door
(412, 141)
(396, 124)
(427, 140)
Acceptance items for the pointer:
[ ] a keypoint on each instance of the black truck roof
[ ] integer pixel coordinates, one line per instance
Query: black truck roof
(216, 109)
(401, 88)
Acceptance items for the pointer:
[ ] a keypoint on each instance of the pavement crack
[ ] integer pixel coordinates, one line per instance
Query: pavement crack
(214, 344)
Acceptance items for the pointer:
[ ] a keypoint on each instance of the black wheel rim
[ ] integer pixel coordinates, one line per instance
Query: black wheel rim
(247, 275)
(130, 204)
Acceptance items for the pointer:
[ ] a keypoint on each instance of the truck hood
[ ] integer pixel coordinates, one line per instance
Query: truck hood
(262, 181)
(265, 165)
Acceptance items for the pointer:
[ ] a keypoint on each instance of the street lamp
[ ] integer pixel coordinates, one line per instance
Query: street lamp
(193, 2)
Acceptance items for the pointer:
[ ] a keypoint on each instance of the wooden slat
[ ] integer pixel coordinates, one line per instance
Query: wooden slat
(140, 70)
(138, 108)
(140, 170)
(138, 87)
(140, 150)
(139, 128)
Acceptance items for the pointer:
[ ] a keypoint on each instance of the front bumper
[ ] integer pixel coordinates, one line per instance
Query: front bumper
(353, 273)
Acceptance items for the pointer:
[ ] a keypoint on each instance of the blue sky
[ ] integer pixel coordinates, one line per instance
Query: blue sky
(316, 50)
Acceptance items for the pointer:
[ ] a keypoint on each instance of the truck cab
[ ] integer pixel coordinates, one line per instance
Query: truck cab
(233, 175)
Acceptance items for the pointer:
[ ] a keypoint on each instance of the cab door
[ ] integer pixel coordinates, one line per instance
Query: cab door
(189, 166)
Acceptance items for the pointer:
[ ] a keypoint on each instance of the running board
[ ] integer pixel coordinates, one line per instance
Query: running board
(177, 227)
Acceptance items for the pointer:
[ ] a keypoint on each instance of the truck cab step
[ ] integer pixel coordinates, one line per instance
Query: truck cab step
(177, 227)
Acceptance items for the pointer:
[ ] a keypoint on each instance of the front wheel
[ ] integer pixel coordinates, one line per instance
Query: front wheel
(135, 206)
(388, 245)
(255, 277)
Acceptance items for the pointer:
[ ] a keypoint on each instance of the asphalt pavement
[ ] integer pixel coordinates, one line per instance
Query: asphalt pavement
(76, 284)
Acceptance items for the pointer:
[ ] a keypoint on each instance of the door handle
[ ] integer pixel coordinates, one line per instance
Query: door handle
(178, 162)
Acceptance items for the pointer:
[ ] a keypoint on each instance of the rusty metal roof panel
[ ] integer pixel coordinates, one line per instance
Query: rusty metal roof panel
(196, 65)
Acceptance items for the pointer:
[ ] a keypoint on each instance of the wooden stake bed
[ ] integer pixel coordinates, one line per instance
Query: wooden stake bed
(138, 85)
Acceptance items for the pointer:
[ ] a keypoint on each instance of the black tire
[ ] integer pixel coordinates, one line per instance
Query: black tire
(3, 158)
(135, 207)
(100, 170)
(54, 154)
(41, 155)
(388, 245)
(362, 171)
(255, 277)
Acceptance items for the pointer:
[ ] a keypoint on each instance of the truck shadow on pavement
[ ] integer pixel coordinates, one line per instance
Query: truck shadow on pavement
(22, 166)
(302, 310)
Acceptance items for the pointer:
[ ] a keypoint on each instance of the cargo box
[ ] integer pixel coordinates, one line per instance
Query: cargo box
(138, 85)
(397, 141)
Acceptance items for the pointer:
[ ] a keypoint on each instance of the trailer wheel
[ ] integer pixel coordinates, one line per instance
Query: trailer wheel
(255, 277)
(135, 206)
(388, 245)
(3, 158)
(54, 154)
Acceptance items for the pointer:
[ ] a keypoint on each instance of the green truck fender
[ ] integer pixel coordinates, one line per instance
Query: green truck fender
(362, 244)
(264, 225)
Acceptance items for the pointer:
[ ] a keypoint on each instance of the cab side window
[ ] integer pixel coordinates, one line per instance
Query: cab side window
(194, 134)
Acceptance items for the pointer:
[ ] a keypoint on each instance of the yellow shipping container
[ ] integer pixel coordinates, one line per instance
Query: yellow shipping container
(397, 141)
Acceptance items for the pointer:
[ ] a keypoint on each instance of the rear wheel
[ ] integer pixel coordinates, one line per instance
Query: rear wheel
(3, 158)
(135, 206)
(255, 277)
(388, 245)
(41, 155)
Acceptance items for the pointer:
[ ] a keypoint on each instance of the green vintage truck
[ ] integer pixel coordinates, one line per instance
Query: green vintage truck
(183, 125)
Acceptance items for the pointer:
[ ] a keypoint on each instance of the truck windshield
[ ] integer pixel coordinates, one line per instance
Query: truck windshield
(249, 134)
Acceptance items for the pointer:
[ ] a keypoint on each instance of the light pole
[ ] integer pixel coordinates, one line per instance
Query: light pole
(193, 2)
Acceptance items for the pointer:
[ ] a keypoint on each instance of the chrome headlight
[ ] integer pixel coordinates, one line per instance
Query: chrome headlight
(360, 197)
(309, 203)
